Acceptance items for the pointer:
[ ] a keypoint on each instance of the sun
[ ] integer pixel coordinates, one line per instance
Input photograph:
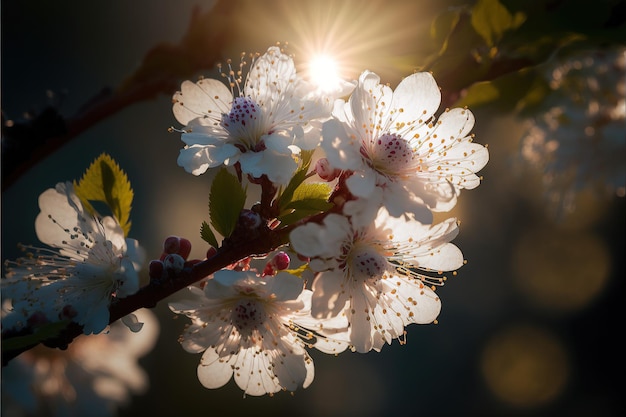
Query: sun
(324, 72)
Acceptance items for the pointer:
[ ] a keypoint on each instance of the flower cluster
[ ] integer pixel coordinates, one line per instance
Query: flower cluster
(368, 255)
(89, 263)
(577, 137)
(371, 255)
(261, 127)
(93, 376)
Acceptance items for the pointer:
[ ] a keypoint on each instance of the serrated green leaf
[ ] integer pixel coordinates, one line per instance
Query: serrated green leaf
(226, 200)
(207, 235)
(308, 199)
(311, 191)
(42, 332)
(105, 182)
(491, 19)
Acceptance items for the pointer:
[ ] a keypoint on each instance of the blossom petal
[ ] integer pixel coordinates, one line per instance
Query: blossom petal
(362, 183)
(214, 371)
(197, 159)
(416, 97)
(253, 372)
(293, 370)
(132, 322)
(313, 239)
(135, 253)
(328, 296)
(341, 151)
(273, 74)
(62, 219)
(278, 167)
(285, 286)
(360, 322)
(127, 278)
(411, 204)
(207, 100)
(370, 103)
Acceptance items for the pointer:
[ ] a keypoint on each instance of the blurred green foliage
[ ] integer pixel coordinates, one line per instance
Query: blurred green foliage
(489, 52)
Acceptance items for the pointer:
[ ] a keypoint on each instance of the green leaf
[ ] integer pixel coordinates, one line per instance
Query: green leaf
(479, 94)
(309, 192)
(42, 332)
(300, 175)
(226, 200)
(491, 19)
(207, 235)
(442, 27)
(512, 91)
(105, 182)
(308, 199)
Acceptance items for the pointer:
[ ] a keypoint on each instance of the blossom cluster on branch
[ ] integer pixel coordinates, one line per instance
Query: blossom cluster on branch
(340, 252)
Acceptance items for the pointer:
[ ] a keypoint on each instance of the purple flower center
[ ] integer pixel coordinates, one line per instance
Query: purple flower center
(248, 316)
(244, 111)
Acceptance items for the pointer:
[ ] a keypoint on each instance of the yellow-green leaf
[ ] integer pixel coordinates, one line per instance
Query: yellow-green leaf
(307, 199)
(105, 182)
(297, 271)
(491, 19)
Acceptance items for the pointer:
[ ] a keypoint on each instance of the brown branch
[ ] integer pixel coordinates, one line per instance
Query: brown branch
(27, 143)
(149, 296)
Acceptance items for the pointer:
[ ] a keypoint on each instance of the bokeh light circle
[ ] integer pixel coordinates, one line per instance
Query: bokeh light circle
(561, 270)
(525, 366)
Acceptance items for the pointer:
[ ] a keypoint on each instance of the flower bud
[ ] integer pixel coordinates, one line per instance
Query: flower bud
(249, 219)
(211, 252)
(280, 261)
(325, 170)
(155, 269)
(171, 244)
(184, 247)
(174, 262)
(175, 244)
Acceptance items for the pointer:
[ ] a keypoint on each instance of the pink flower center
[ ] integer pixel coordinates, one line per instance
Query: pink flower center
(391, 154)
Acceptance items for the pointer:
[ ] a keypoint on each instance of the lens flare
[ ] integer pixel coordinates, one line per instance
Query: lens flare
(323, 71)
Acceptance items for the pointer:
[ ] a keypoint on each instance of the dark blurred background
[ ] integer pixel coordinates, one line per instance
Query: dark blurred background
(529, 327)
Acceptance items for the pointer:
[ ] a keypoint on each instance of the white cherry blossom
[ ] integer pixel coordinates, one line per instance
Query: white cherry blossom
(89, 263)
(246, 325)
(264, 127)
(399, 155)
(376, 275)
(94, 376)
